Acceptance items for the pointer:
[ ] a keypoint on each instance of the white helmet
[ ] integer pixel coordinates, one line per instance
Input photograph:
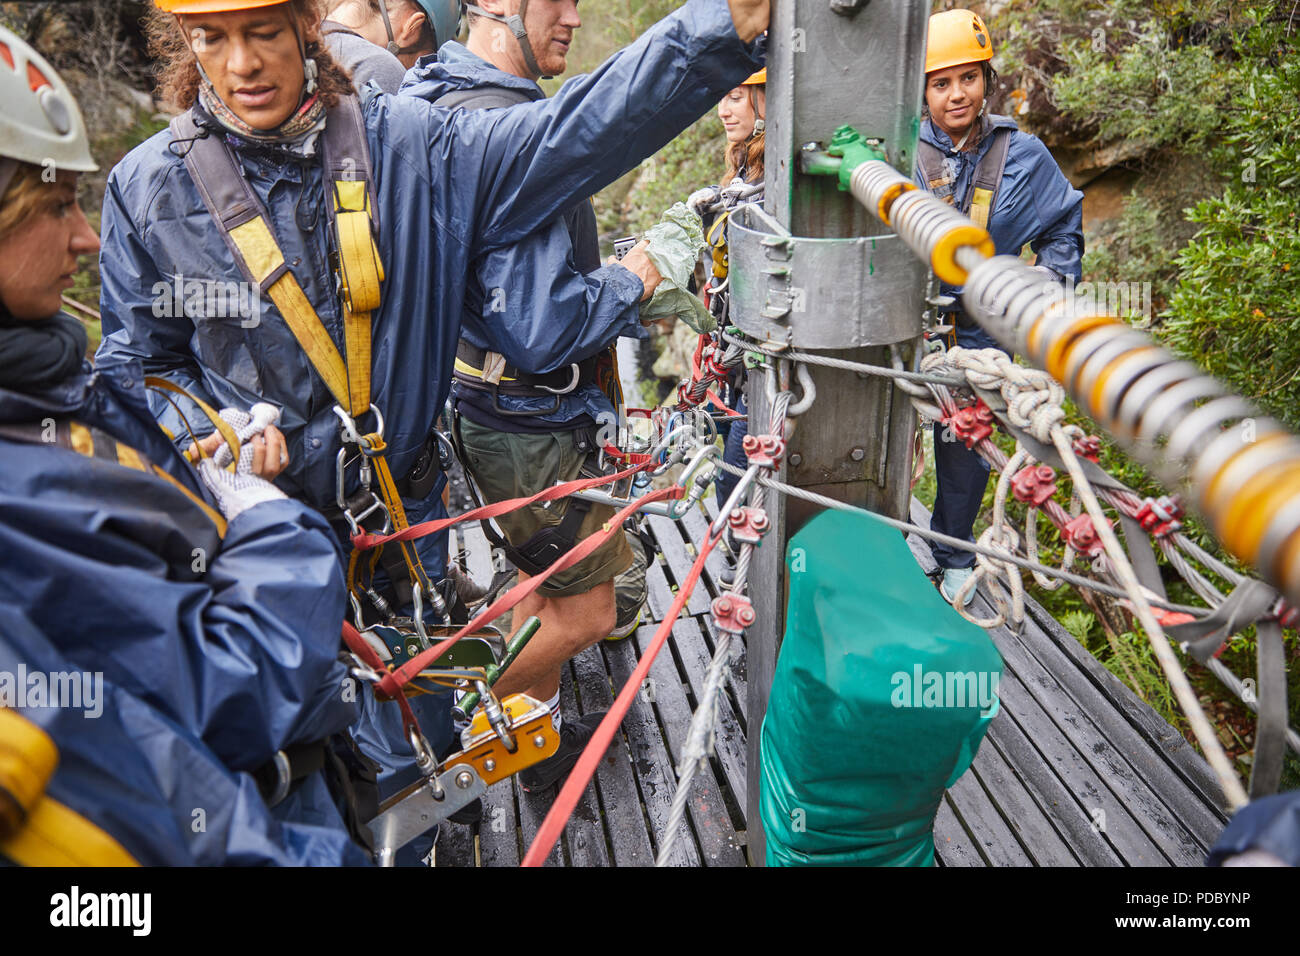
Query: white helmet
(40, 122)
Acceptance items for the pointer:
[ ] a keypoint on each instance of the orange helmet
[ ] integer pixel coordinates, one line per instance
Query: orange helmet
(212, 6)
(758, 79)
(956, 37)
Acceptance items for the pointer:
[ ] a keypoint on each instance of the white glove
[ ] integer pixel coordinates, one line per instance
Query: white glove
(701, 199)
(246, 425)
(236, 493)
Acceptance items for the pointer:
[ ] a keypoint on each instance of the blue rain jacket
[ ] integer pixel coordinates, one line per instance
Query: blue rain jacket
(1035, 205)
(216, 651)
(536, 302)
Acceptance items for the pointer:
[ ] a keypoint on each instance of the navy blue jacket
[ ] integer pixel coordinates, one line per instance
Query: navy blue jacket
(217, 645)
(1035, 205)
(541, 303)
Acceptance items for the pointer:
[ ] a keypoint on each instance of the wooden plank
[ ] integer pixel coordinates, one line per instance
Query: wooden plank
(679, 558)
(697, 527)
(584, 836)
(455, 845)
(1127, 781)
(707, 806)
(1018, 808)
(1131, 843)
(1073, 822)
(952, 844)
(654, 772)
(729, 739)
(498, 830)
(625, 824)
(660, 595)
(994, 839)
(1098, 731)
(1172, 745)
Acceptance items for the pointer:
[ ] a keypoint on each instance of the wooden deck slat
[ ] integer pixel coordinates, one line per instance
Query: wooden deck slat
(584, 835)
(455, 845)
(1058, 801)
(729, 738)
(697, 527)
(498, 830)
(1020, 810)
(660, 596)
(478, 552)
(1148, 807)
(953, 846)
(996, 843)
(650, 758)
(679, 560)
(706, 806)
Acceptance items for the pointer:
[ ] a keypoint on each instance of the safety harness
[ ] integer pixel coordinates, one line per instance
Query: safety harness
(245, 227)
(941, 180)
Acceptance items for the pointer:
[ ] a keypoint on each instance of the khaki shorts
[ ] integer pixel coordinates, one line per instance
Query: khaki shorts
(508, 465)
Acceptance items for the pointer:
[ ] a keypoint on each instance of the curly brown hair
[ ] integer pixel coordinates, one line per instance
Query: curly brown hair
(177, 72)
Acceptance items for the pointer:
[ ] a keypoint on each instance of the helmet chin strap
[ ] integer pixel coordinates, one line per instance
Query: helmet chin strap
(760, 124)
(516, 25)
(393, 48)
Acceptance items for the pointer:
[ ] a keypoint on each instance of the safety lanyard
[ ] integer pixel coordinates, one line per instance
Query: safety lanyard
(245, 226)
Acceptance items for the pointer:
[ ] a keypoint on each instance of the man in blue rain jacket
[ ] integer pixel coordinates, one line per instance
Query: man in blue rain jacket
(551, 311)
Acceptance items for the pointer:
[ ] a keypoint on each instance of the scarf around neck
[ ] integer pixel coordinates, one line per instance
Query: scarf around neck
(307, 120)
(36, 355)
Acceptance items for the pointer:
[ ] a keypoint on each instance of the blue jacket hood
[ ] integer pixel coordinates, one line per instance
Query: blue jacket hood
(454, 68)
(932, 134)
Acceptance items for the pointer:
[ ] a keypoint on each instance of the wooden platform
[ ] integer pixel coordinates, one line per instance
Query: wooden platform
(1075, 769)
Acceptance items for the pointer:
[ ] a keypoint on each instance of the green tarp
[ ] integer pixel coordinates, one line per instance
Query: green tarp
(881, 696)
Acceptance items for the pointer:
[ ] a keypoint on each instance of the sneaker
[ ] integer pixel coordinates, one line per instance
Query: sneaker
(630, 591)
(467, 588)
(574, 734)
(953, 579)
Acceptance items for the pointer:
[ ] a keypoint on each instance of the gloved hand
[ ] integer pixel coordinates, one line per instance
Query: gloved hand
(237, 492)
(246, 425)
(701, 199)
(675, 244)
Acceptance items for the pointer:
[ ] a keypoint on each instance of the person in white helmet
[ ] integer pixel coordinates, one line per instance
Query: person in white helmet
(170, 597)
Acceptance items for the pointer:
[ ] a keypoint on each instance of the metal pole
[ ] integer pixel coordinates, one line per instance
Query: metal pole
(819, 272)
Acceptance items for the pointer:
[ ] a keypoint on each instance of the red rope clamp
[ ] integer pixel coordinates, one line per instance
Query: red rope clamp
(1088, 447)
(748, 524)
(1081, 534)
(1034, 484)
(1160, 516)
(764, 450)
(970, 425)
(733, 613)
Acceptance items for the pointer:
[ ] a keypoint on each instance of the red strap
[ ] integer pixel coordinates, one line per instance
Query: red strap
(582, 772)
(364, 542)
(359, 646)
(630, 457)
(392, 683)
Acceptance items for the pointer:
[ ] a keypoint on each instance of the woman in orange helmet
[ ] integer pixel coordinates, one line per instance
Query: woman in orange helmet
(1007, 182)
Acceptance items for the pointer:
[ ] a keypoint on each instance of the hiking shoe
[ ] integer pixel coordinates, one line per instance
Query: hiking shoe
(630, 591)
(467, 588)
(574, 734)
(953, 579)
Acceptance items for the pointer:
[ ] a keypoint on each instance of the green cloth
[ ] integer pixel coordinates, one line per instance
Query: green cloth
(675, 245)
(881, 696)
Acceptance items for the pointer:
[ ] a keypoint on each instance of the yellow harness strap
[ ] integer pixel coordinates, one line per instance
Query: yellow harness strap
(42, 831)
(980, 205)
